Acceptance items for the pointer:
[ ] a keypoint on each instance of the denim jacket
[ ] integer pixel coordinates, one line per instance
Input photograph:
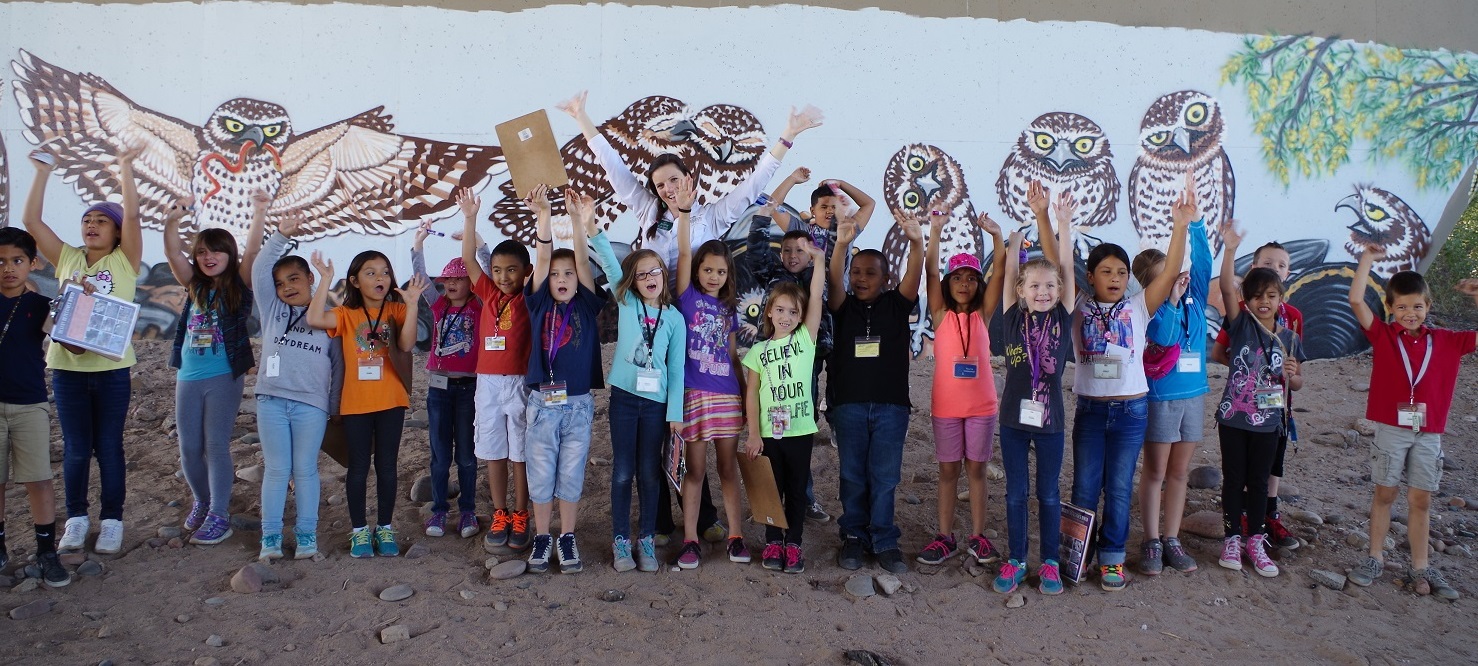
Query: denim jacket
(233, 331)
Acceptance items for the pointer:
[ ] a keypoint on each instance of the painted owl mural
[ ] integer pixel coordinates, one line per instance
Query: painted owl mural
(1181, 132)
(1065, 152)
(1383, 219)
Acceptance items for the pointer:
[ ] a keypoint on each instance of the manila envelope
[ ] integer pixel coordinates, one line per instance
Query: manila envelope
(764, 497)
(531, 152)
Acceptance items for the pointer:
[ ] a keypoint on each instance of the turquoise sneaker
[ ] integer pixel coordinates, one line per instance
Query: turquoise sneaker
(1049, 580)
(271, 548)
(359, 543)
(385, 545)
(307, 545)
(1011, 575)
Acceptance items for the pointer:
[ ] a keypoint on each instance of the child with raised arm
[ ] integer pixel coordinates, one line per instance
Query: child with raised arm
(964, 397)
(867, 391)
(780, 411)
(92, 391)
(295, 382)
(1035, 325)
(376, 382)
(563, 367)
(1413, 372)
(1253, 412)
(212, 353)
(502, 396)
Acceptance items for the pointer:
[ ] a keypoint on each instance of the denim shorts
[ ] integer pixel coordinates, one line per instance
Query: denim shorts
(1176, 420)
(556, 445)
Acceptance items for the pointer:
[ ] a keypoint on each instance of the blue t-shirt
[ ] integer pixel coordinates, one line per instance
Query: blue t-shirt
(23, 374)
(1184, 324)
(567, 332)
(647, 338)
(203, 362)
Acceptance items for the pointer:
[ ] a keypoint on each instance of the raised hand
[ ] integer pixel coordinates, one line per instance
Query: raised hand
(260, 199)
(468, 202)
(1374, 251)
(413, 289)
(324, 267)
(1064, 206)
(1231, 235)
(1036, 198)
(800, 121)
(988, 225)
(1185, 209)
(847, 232)
(800, 175)
(912, 230)
(817, 254)
(574, 106)
(292, 224)
(127, 153)
(685, 194)
(422, 233)
(1181, 284)
(538, 199)
(581, 208)
(43, 159)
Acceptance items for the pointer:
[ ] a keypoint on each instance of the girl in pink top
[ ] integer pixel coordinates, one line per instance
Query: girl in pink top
(965, 405)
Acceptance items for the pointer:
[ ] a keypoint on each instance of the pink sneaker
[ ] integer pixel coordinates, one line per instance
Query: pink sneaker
(1257, 553)
(1231, 553)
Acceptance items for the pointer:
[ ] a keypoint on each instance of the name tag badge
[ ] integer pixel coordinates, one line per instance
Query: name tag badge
(494, 343)
(1033, 413)
(554, 394)
(1106, 367)
(648, 380)
(779, 421)
(1412, 415)
(868, 346)
(201, 338)
(437, 381)
(1188, 362)
(967, 367)
(1271, 398)
(665, 225)
(370, 368)
(274, 366)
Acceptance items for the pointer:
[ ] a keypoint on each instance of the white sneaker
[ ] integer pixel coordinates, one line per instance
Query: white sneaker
(110, 538)
(74, 537)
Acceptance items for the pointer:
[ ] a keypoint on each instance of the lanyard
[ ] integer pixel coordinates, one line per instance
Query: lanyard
(503, 306)
(18, 306)
(1035, 342)
(291, 321)
(1406, 361)
(1185, 323)
(963, 331)
(1267, 347)
(770, 381)
(556, 335)
(374, 330)
(449, 323)
(649, 336)
(866, 318)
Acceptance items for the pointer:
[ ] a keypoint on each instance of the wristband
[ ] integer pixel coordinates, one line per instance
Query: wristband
(537, 239)
(786, 142)
(685, 210)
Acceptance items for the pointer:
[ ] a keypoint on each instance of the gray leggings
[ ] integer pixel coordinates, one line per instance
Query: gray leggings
(205, 414)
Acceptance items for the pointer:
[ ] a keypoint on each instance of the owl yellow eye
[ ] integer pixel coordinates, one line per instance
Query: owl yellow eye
(753, 310)
(1044, 141)
(1196, 114)
(915, 163)
(271, 130)
(233, 126)
(911, 199)
(1083, 145)
(1159, 138)
(1374, 213)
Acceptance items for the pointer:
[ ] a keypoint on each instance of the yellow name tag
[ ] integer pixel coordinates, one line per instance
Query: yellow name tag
(868, 346)
(554, 394)
(494, 343)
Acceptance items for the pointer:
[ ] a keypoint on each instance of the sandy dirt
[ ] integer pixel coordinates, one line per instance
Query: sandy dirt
(150, 603)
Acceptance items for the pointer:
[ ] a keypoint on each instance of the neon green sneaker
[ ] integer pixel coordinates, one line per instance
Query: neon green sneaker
(359, 543)
(385, 542)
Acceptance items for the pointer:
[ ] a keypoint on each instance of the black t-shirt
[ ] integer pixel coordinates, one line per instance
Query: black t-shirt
(1043, 338)
(880, 379)
(23, 374)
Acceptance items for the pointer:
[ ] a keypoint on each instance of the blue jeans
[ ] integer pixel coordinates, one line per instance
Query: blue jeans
(1015, 447)
(292, 433)
(557, 445)
(451, 413)
(91, 408)
(869, 440)
(1107, 437)
(638, 428)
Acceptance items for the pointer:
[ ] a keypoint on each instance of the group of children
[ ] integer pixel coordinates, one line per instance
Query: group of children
(515, 355)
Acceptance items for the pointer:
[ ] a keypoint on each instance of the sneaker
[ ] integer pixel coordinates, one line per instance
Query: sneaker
(497, 536)
(1177, 558)
(1258, 555)
(646, 554)
(385, 545)
(539, 554)
(307, 545)
(1435, 584)
(1111, 577)
(773, 557)
(467, 525)
(1010, 576)
(52, 571)
(982, 549)
(1151, 557)
(1231, 553)
(196, 517)
(940, 549)
(74, 535)
(569, 554)
(1367, 572)
(215, 530)
(850, 555)
(794, 562)
(271, 548)
(518, 535)
(1279, 536)
(716, 533)
(815, 513)
(359, 543)
(621, 555)
(738, 552)
(891, 561)
(436, 524)
(690, 556)
(1049, 580)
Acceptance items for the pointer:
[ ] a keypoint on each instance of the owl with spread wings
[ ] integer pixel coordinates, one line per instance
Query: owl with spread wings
(354, 175)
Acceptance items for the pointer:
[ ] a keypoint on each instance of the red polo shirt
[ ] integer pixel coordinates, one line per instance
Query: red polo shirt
(1390, 386)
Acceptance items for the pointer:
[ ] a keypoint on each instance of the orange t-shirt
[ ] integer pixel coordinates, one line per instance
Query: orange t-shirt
(362, 396)
(955, 339)
(505, 316)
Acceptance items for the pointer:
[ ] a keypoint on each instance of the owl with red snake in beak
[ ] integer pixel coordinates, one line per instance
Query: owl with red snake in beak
(355, 175)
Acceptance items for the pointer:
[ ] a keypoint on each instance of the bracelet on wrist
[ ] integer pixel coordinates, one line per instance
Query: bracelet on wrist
(685, 210)
(537, 239)
(787, 142)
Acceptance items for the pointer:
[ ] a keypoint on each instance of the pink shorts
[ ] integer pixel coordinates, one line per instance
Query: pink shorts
(968, 438)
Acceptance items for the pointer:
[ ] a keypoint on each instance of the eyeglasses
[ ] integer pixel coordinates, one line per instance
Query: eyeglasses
(655, 274)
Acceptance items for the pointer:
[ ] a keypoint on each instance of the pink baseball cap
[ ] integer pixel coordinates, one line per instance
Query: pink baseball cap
(454, 269)
(963, 260)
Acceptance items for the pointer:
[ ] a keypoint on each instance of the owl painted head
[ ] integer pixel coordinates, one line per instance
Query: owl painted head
(656, 124)
(920, 178)
(727, 134)
(244, 121)
(1182, 127)
(1381, 218)
(1065, 142)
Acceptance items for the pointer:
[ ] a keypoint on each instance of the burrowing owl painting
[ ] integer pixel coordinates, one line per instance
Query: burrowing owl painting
(1383, 219)
(354, 175)
(1180, 132)
(722, 143)
(1065, 152)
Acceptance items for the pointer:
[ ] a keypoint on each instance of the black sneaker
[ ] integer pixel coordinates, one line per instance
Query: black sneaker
(52, 571)
(539, 554)
(850, 556)
(816, 514)
(891, 561)
(569, 554)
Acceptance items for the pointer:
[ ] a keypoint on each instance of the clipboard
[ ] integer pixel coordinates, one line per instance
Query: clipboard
(531, 153)
(759, 487)
(98, 323)
(675, 462)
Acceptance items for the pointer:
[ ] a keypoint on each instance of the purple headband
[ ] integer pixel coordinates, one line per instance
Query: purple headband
(112, 210)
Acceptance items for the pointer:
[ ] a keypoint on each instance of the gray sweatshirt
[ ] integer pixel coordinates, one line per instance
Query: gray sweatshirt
(305, 364)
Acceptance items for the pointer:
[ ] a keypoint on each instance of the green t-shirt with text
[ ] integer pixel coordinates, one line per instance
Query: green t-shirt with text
(784, 367)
